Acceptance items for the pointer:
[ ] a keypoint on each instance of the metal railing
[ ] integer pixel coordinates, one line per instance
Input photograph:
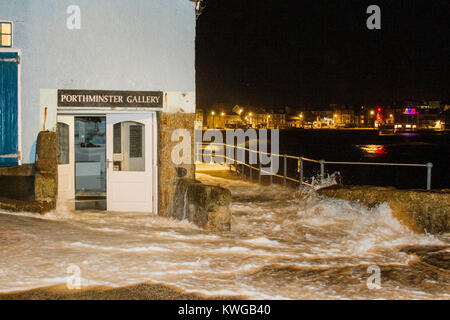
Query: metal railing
(300, 164)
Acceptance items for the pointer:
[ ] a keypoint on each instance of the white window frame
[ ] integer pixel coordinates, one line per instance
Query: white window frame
(12, 33)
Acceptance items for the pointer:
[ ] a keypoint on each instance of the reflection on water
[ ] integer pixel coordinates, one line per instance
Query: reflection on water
(282, 245)
(409, 134)
(373, 149)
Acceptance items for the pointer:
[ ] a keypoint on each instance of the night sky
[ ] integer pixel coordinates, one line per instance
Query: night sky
(318, 52)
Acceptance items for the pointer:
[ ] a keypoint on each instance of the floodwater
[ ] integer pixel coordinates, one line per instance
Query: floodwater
(283, 245)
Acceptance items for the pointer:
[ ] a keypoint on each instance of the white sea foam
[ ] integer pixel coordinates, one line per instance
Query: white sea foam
(280, 242)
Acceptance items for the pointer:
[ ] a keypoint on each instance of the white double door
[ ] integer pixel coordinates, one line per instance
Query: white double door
(131, 161)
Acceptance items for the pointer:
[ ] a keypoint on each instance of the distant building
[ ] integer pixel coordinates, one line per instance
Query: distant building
(276, 120)
(222, 120)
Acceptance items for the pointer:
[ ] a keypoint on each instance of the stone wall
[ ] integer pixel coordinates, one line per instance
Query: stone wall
(32, 188)
(204, 205)
(421, 211)
(168, 122)
(17, 182)
(46, 178)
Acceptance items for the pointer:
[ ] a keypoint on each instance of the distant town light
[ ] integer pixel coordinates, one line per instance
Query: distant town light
(335, 115)
(438, 124)
(222, 114)
(213, 113)
(240, 111)
(301, 116)
(372, 112)
(410, 110)
(391, 115)
(250, 114)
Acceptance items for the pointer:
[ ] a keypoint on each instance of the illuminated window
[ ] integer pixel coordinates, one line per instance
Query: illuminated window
(6, 34)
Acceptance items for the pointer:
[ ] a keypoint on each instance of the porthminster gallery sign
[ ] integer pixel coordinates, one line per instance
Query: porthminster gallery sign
(101, 98)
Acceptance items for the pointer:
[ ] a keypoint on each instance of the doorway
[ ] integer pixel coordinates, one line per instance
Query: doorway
(108, 162)
(90, 163)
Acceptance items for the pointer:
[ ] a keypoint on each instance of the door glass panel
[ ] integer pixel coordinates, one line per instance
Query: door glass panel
(90, 155)
(63, 143)
(129, 146)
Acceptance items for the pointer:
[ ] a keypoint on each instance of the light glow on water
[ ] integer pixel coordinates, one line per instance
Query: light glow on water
(283, 245)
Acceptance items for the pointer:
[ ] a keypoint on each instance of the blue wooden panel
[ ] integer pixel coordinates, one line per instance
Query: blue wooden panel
(8, 109)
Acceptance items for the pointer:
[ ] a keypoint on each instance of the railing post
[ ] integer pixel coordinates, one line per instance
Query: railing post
(251, 172)
(242, 172)
(259, 173)
(322, 170)
(429, 167)
(196, 151)
(271, 174)
(300, 164)
(234, 158)
(285, 169)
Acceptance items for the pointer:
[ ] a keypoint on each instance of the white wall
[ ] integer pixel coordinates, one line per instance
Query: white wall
(122, 45)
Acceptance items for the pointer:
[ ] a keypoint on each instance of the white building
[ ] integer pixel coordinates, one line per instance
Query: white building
(114, 78)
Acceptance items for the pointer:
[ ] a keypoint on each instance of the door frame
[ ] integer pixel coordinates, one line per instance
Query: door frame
(74, 151)
(71, 123)
(155, 141)
(19, 101)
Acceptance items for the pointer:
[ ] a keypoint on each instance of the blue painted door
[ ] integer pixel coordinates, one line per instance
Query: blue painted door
(8, 109)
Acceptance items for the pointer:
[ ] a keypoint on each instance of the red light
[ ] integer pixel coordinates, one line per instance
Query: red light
(381, 150)
(379, 109)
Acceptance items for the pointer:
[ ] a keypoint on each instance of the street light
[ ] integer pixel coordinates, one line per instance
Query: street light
(222, 114)
(372, 112)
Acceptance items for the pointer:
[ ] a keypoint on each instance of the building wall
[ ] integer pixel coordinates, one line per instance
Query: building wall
(146, 45)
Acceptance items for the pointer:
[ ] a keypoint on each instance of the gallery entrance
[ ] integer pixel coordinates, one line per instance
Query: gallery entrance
(90, 163)
(108, 162)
